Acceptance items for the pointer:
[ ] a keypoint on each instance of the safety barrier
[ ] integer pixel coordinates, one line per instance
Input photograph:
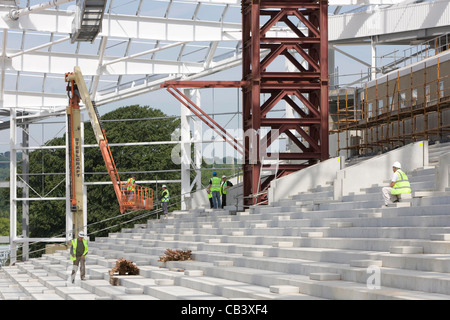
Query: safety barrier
(141, 199)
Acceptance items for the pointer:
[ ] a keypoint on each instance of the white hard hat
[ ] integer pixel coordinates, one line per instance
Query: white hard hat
(164, 186)
(397, 165)
(81, 234)
(224, 176)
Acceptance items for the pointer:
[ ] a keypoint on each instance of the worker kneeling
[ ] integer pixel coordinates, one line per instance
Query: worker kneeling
(78, 252)
(399, 185)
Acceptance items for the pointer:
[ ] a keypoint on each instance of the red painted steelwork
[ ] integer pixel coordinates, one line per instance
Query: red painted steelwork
(304, 90)
(188, 103)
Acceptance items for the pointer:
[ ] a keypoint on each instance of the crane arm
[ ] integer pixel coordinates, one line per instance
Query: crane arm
(142, 198)
(79, 88)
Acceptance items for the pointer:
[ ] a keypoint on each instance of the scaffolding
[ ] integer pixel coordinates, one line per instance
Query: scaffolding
(401, 107)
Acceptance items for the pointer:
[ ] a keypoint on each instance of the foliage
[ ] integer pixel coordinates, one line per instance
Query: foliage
(175, 255)
(140, 160)
(4, 203)
(227, 169)
(47, 171)
(4, 226)
(47, 218)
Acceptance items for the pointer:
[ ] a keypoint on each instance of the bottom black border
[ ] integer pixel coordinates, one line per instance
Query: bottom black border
(210, 309)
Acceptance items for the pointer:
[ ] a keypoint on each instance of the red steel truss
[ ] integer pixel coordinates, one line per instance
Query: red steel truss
(309, 84)
(305, 90)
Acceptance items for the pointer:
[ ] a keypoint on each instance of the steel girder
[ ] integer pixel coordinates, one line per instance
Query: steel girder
(305, 90)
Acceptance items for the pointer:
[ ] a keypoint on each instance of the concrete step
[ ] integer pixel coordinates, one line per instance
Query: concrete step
(362, 232)
(308, 253)
(330, 289)
(212, 288)
(308, 246)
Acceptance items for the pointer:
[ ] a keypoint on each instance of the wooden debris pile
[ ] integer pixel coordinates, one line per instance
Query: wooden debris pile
(175, 255)
(122, 267)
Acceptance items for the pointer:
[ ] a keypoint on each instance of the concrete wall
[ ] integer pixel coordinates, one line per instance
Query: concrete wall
(376, 170)
(341, 140)
(379, 169)
(300, 181)
(442, 177)
(199, 199)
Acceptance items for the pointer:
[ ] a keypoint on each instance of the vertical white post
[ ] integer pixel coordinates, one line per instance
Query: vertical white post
(69, 218)
(185, 152)
(332, 66)
(373, 70)
(25, 192)
(13, 186)
(198, 139)
(186, 140)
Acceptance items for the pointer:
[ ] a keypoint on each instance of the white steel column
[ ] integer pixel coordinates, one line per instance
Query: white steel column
(13, 186)
(198, 145)
(373, 70)
(69, 218)
(25, 191)
(186, 141)
(185, 145)
(332, 66)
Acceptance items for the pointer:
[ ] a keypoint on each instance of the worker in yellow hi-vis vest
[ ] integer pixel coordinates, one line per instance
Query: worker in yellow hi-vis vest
(214, 186)
(209, 195)
(165, 196)
(78, 251)
(225, 184)
(399, 185)
(130, 187)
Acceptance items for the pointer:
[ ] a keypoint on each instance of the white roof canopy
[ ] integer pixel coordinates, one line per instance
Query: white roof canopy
(144, 43)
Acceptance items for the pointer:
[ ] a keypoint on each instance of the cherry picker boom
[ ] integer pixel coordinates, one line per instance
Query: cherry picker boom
(142, 199)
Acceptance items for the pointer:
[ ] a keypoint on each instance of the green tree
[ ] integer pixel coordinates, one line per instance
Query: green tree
(4, 226)
(46, 179)
(47, 218)
(140, 160)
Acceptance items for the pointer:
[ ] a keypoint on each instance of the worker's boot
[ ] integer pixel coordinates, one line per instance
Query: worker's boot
(74, 273)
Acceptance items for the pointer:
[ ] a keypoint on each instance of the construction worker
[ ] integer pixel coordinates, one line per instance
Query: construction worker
(130, 187)
(224, 190)
(399, 185)
(78, 251)
(165, 200)
(209, 195)
(214, 186)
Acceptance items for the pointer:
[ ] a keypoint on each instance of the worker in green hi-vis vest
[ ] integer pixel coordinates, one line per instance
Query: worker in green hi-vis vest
(78, 251)
(209, 195)
(165, 196)
(225, 184)
(130, 187)
(214, 186)
(399, 185)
